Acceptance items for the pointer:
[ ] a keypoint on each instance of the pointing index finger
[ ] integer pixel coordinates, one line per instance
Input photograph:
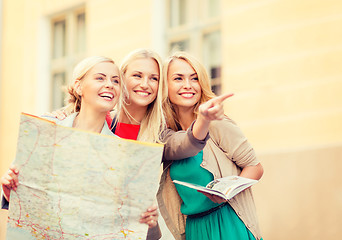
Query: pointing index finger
(223, 97)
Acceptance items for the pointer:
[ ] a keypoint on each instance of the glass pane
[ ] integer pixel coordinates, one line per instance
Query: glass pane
(212, 55)
(213, 8)
(81, 33)
(177, 12)
(182, 12)
(179, 46)
(58, 39)
(216, 89)
(58, 93)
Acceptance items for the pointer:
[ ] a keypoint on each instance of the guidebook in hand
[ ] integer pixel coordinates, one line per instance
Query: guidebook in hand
(226, 187)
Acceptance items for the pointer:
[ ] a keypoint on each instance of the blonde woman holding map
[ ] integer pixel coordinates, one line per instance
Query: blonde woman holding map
(139, 114)
(94, 91)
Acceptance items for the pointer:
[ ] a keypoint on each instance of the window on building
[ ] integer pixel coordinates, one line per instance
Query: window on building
(194, 26)
(68, 46)
(181, 45)
(212, 58)
(177, 13)
(58, 39)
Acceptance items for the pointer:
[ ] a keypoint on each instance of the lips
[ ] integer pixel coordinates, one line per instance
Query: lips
(107, 95)
(187, 94)
(142, 93)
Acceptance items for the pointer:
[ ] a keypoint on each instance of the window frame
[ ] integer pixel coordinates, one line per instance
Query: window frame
(64, 64)
(198, 24)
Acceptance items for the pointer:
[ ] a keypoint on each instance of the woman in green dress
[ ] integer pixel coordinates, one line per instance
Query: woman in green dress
(199, 150)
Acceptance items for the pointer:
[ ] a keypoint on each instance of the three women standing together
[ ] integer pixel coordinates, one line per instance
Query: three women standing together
(174, 105)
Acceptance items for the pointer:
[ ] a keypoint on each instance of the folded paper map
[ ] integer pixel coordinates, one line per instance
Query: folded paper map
(75, 184)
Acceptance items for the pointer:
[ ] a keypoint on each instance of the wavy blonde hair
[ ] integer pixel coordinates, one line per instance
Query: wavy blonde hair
(171, 116)
(73, 99)
(153, 122)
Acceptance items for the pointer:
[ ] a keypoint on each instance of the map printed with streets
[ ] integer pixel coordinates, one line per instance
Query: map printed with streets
(75, 184)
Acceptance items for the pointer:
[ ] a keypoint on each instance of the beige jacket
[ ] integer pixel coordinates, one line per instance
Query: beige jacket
(225, 153)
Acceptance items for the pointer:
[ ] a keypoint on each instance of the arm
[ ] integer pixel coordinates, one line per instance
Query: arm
(183, 144)
(232, 142)
(253, 172)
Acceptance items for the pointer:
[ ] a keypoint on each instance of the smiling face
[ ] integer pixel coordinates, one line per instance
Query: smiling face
(183, 86)
(100, 87)
(142, 80)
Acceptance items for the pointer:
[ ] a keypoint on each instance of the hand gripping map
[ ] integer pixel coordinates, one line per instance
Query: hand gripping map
(75, 184)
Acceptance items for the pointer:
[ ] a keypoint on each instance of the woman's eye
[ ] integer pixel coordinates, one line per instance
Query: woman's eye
(137, 75)
(155, 79)
(195, 79)
(178, 78)
(99, 78)
(115, 81)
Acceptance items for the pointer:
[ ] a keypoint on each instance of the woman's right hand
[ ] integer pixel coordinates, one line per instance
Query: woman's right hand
(9, 181)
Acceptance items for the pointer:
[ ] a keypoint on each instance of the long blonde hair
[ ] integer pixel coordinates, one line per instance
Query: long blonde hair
(73, 99)
(153, 122)
(171, 116)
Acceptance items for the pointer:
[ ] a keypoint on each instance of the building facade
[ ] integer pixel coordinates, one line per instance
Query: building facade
(281, 59)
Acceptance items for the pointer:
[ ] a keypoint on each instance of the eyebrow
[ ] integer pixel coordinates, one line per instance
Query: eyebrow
(153, 74)
(179, 74)
(114, 76)
(100, 74)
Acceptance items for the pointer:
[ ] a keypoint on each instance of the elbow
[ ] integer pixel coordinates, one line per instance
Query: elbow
(260, 171)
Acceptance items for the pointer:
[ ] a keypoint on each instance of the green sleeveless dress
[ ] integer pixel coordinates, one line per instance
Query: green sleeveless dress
(221, 224)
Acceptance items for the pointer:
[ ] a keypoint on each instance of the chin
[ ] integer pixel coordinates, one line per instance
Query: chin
(142, 103)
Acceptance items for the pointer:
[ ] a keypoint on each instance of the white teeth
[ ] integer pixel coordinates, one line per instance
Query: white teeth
(187, 94)
(142, 93)
(107, 95)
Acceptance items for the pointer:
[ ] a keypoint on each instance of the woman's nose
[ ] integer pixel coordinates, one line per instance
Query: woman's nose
(144, 82)
(109, 83)
(187, 83)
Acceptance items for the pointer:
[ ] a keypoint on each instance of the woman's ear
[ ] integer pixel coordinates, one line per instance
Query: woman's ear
(78, 87)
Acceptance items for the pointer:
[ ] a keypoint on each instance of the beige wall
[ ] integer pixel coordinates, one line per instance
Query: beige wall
(281, 58)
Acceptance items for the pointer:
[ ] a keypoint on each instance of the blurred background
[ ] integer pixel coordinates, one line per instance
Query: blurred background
(281, 58)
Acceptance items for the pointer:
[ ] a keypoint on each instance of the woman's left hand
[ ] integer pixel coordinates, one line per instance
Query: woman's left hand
(214, 198)
(150, 217)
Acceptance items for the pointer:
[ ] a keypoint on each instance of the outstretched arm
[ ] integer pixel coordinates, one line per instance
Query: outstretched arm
(183, 144)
